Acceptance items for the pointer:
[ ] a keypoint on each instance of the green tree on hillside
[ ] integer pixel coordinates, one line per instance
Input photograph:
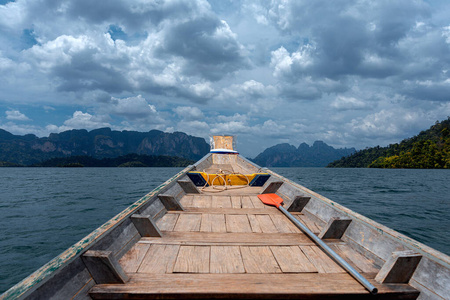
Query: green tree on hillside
(430, 149)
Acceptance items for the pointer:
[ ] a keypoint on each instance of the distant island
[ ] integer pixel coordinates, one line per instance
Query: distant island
(26, 150)
(430, 149)
(285, 155)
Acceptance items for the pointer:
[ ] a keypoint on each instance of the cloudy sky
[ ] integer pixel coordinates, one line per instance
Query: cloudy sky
(349, 73)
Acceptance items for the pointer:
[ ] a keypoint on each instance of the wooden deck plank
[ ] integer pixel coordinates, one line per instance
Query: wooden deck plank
(226, 259)
(236, 201)
(291, 259)
(167, 222)
(201, 201)
(247, 202)
(159, 259)
(192, 259)
(254, 224)
(188, 222)
(256, 202)
(240, 238)
(213, 223)
(237, 223)
(250, 286)
(234, 191)
(221, 202)
(266, 224)
(259, 260)
(187, 200)
(131, 260)
(283, 224)
(236, 211)
(322, 262)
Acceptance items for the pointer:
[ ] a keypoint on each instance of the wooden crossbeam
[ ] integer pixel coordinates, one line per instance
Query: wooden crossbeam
(399, 267)
(145, 226)
(335, 228)
(272, 187)
(104, 267)
(170, 202)
(298, 204)
(188, 186)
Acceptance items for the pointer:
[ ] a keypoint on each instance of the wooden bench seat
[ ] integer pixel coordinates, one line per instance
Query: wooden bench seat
(248, 286)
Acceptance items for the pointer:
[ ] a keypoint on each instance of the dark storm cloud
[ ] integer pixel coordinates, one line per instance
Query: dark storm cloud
(85, 73)
(208, 45)
(346, 34)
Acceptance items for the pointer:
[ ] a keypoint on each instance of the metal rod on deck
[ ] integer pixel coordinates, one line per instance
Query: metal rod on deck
(330, 251)
(275, 200)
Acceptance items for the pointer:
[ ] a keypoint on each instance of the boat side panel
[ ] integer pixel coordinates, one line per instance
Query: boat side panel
(119, 240)
(155, 209)
(204, 163)
(75, 279)
(246, 165)
(432, 276)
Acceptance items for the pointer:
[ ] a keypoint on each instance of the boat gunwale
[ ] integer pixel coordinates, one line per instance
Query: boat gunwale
(427, 251)
(52, 268)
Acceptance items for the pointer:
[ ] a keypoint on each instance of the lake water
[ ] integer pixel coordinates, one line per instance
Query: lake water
(43, 211)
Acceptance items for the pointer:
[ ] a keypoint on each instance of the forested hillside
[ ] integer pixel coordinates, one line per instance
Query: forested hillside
(430, 149)
(284, 155)
(98, 143)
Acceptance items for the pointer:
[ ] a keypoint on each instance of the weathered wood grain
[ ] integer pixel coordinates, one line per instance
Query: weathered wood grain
(131, 261)
(187, 200)
(335, 228)
(254, 223)
(192, 259)
(322, 262)
(226, 259)
(247, 202)
(291, 259)
(357, 260)
(170, 202)
(266, 224)
(145, 225)
(298, 203)
(259, 260)
(221, 202)
(188, 186)
(188, 222)
(399, 268)
(244, 238)
(256, 202)
(272, 187)
(103, 267)
(236, 201)
(167, 222)
(283, 224)
(201, 201)
(238, 223)
(249, 286)
(213, 223)
(159, 259)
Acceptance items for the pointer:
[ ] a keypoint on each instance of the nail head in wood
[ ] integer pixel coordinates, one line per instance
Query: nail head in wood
(399, 268)
(272, 187)
(170, 202)
(299, 203)
(104, 267)
(145, 226)
(335, 228)
(188, 186)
